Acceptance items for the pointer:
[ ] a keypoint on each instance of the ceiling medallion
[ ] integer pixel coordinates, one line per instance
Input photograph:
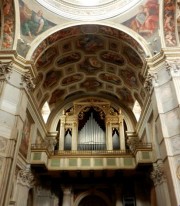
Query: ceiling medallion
(85, 10)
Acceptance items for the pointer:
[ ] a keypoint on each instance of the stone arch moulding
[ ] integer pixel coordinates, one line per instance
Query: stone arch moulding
(91, 192)
(140, 41)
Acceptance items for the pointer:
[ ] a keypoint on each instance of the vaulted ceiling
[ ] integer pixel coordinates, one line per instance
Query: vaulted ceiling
(89, 60)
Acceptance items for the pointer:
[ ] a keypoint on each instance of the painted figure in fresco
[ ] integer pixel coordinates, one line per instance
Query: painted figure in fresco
(89, 43)
(71, 79)
(169, 23)
(73, 57)
(110, 78)
(7, 7)
(8, 26)
(146, 21)
(112, 58)
(91, 84)
(32, 24)
(47, 57)
(52, 78)
(91, 64)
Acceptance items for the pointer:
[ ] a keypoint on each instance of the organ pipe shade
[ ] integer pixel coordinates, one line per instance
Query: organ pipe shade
(91, 135)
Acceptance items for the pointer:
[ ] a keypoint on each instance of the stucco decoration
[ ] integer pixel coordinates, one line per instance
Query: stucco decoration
(89, 10)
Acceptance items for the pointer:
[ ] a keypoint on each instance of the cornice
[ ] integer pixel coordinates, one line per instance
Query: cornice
(21, 65)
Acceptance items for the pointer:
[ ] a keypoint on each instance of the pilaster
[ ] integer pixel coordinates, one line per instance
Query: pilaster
(159, 178)
(67, 193)
(13, 105)
(166, 85)
(25, 181)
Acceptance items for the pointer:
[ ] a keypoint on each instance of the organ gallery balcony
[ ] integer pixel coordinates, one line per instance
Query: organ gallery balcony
(90, 158)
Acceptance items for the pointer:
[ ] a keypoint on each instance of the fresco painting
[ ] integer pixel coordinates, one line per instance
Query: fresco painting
(76, 30)
(110, 87)
(129, 78)
(91, 84)
(146, 21)
(47, 58)
(110, 78)
(72, 79)
(8, 24)
(122, 36)
(111, 69)
(90, 43)
(70, 58)
(32, 23)
(89, 29)
(67, 47)
(25, 137)
(52, 78)
(91, 65)
(56, 95)
(125, 95)
(169, 23)
(70, 70)
(113, 46)
(112, 57)
(132, 57)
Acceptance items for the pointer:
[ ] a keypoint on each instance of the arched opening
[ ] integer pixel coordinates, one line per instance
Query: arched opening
(92, 200)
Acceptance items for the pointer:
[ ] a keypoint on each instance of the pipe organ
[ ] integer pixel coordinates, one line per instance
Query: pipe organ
(83, 127)
(91, 136)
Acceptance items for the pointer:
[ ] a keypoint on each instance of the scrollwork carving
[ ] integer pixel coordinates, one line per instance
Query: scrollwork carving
(28, 80)
(172, 66)
(148, 82)
(133, 143)
(158, 174)
(5, 70)
(25, 177)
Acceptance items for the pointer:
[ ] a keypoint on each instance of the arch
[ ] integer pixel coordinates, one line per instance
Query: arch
(92, 192)
(136, 37)
(54, 117)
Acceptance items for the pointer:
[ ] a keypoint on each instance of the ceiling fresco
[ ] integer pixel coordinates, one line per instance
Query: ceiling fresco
(82, 61)
(90, 59)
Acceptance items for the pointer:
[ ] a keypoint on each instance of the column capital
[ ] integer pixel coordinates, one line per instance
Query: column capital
(5, 70)
(28, 80)
(66, 189)
(173, 67)
(133, 143)
(158, 175)
(26, 178)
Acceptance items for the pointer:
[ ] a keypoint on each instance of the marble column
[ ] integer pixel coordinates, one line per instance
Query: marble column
(118, 194)
(62, 132)
(159, 178)
(109, 143)
(13, 104)
(74, 136)
(25, 181)
(165, 80)
(67, 195)
(121, 133)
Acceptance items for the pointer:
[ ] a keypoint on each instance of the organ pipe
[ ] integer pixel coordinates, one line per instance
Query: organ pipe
(91, 136)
